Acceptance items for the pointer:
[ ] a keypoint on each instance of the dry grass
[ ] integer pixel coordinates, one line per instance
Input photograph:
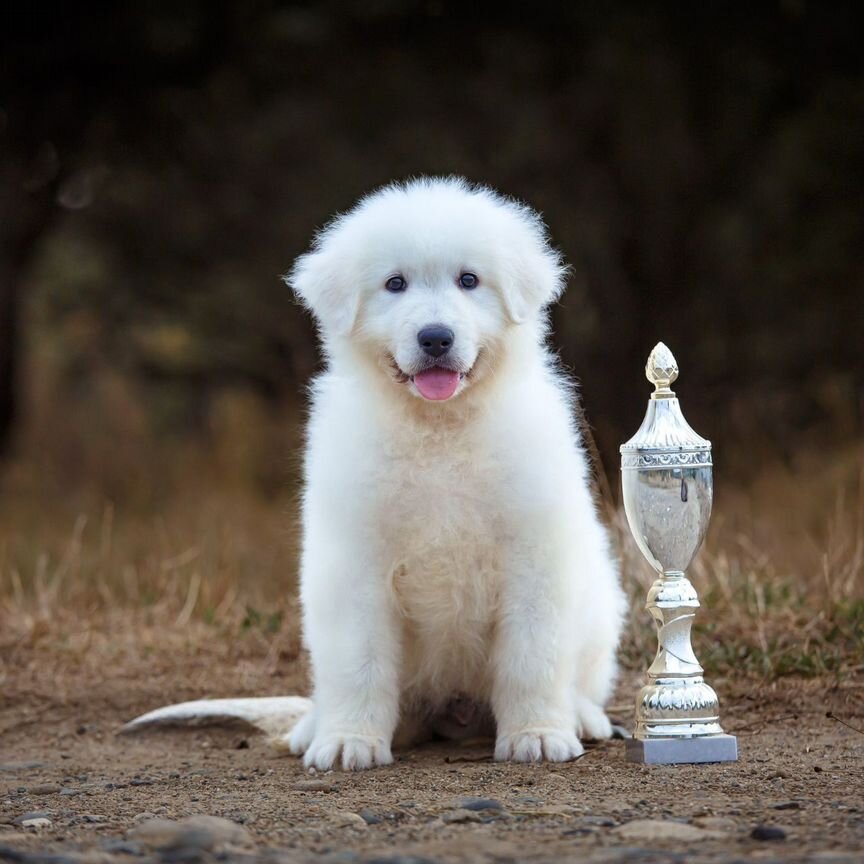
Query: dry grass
(209, 564)
(781, 577)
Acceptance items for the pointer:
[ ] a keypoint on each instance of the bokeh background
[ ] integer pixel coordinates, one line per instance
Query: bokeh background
(700, 165)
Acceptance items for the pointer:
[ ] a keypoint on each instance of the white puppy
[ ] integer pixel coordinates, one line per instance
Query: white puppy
(455, 576)
(453, 563)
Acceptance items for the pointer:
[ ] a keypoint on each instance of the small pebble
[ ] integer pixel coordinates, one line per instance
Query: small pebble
(460, 815)
(313, 786)
(716, 823)
(471, 803)
(598, 821)
(768, 832)
(14, 767)
(195, 832)
(122, 847)
(652, 830)
(44, 789)
(399, 859)
(578, 832)
(143, 817)
(38, 822)
(345, 856)
(32, 814)
(370, 818)
(344, 818)
(786, 805)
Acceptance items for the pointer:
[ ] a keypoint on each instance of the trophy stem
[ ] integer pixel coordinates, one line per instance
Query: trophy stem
(676, 702)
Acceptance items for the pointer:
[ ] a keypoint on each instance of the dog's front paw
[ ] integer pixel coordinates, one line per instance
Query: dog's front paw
(536, 745)
(353, 752)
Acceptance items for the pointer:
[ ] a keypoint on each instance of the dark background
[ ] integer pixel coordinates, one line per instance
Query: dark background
(700, 165)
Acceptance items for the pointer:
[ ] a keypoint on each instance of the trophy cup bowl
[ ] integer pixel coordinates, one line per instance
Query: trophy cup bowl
(667, 484)
(668, 510)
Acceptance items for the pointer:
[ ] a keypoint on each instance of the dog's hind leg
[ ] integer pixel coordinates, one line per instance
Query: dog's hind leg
(591, 720)
(595, 681)
(297, 741)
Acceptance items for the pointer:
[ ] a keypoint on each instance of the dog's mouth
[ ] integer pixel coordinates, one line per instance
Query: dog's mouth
(436, 382)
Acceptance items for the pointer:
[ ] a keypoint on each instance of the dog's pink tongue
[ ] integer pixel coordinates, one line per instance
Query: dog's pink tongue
(436, 383)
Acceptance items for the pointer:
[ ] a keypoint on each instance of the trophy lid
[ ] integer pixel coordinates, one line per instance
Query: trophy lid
(664, 429)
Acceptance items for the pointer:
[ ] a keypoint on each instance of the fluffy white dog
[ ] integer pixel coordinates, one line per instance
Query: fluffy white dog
(454, 574)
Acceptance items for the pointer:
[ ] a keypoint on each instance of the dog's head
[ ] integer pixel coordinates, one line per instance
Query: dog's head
(428, 280)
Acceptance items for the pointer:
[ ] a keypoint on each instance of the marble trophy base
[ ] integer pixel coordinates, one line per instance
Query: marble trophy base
(682, 751)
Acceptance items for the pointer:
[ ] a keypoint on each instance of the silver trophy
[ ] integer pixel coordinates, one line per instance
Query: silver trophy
(668, 488)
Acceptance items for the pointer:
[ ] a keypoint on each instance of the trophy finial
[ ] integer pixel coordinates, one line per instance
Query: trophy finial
(661, 370)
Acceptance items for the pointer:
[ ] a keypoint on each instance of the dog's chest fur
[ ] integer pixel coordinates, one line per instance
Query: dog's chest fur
(441, 523)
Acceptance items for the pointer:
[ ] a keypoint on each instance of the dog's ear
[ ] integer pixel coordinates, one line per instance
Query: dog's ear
(321, 281)
(533, 278)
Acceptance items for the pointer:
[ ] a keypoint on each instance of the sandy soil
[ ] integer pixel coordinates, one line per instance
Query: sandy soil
(61, 760)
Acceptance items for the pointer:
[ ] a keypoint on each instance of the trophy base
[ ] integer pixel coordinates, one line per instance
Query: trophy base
(682, 751)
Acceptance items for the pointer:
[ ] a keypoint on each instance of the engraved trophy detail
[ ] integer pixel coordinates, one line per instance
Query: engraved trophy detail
(667, 482)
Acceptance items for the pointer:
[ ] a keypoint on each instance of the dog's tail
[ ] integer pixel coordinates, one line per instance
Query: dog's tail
(275, 716)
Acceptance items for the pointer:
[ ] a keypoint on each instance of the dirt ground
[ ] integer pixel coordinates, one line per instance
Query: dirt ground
(94, 794)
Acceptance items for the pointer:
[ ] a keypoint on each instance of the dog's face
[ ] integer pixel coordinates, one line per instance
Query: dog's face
(428, 280)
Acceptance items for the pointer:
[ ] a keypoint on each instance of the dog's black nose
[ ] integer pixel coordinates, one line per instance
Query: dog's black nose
(435, 340)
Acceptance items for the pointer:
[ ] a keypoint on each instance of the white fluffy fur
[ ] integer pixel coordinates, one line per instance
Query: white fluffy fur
(450, 548)
(452, 555)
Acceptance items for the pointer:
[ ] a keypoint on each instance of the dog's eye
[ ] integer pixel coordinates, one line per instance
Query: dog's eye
(469, 281)
(395, 284)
